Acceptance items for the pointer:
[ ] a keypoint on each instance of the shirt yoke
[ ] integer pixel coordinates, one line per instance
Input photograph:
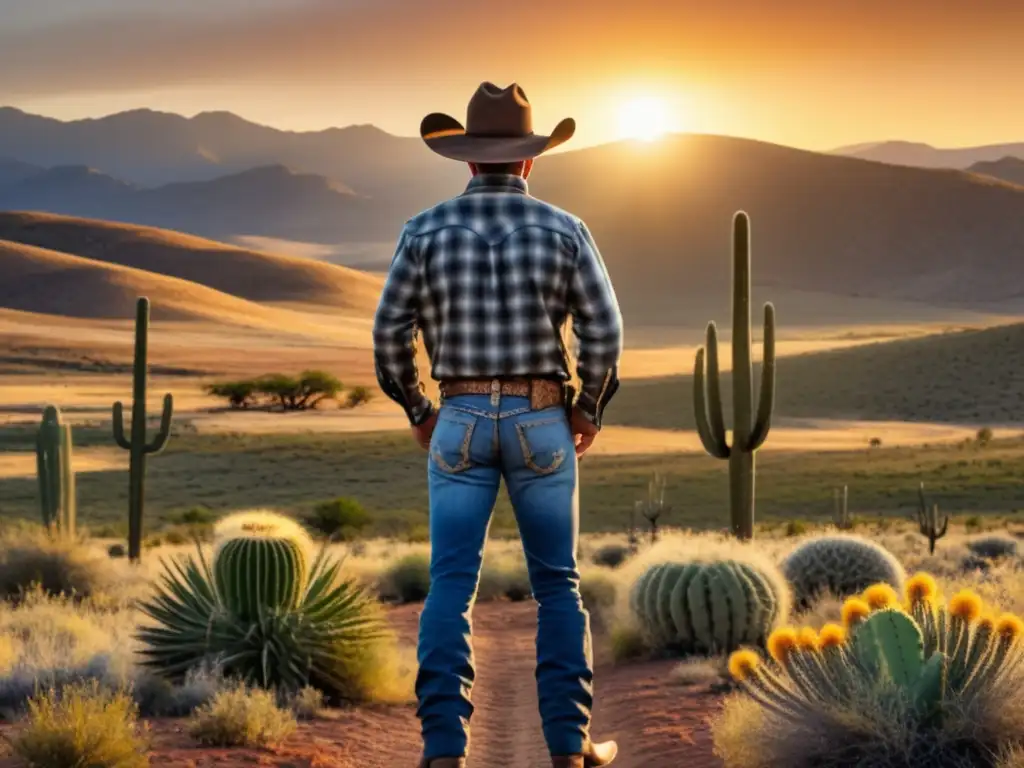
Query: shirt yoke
(494, 217)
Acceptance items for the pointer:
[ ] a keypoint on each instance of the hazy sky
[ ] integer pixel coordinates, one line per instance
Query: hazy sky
(813, 74)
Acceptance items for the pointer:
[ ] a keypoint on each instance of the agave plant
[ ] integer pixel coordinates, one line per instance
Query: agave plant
(913, 683)
(261, 615)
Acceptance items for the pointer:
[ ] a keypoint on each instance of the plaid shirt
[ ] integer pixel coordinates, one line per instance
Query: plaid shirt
(489, 278)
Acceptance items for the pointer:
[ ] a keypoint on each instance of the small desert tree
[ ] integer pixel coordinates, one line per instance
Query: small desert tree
(239, 394)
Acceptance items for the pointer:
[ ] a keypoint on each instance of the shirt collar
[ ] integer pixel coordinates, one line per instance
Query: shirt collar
(497, 182)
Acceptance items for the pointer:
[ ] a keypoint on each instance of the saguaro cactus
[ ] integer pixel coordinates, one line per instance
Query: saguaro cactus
(841, 516)
(747, 434)
(55, 473)
(137, 446)
(928, 520)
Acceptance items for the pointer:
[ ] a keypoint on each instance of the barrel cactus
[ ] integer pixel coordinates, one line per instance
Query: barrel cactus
(708, 607)
(917, 682)
(263, 610)
(840, 565)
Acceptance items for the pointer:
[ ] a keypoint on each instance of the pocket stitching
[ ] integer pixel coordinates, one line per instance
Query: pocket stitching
(464, 460)
(557, 458)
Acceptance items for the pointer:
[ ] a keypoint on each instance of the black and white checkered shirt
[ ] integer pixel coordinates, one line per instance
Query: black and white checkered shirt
(489, 278)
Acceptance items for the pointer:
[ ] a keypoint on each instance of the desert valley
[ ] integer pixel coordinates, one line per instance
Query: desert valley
(895, 271)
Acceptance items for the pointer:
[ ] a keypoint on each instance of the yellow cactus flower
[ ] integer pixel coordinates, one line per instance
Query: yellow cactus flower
(1009, 627)
(921, 587)
(743, 664)
(807, 640)
(966, 605)
(880, 596)
(781, 644)
(831, 636)
(855, 611)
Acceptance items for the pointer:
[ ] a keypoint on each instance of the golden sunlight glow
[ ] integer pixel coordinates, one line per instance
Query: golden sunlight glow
(645, 119)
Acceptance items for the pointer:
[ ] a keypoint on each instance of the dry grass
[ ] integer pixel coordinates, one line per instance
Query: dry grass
(242, 717)
(81, 726)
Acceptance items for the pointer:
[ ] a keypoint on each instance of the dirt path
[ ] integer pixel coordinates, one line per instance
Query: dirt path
(657, 722)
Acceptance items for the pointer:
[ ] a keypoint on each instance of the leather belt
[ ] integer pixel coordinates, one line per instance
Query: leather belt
(543, 393)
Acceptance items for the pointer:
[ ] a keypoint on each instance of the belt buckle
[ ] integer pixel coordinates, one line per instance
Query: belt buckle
(495, 392)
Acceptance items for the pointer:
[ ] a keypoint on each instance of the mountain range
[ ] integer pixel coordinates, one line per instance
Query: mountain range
(659, 211)
(922, 155)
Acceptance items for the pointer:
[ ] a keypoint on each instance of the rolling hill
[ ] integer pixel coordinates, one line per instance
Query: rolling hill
(926, 156)
(245, 274)
(972, 376)
(1009, 169)
(47, 282)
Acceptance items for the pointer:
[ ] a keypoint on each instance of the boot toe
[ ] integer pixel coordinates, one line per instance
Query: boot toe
(600, 754)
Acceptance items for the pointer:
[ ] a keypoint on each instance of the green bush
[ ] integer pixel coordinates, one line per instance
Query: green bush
(239, 394)
(117, 550)
(83, 726)
(358, 396)
(796, 528)
(611, 555)
(406, 580)
(242, 717)
(341, 518)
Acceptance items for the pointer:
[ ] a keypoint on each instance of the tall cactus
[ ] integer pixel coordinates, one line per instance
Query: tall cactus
(928, 520)
(747, 435)
(137, 445)
(841, 515)
(55, 473)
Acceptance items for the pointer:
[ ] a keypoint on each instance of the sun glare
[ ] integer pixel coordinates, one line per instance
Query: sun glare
(645, 119)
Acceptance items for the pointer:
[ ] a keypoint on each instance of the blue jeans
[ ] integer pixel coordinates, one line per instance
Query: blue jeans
(475, 444)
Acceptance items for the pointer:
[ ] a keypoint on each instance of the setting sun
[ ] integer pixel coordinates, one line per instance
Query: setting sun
(644, 119)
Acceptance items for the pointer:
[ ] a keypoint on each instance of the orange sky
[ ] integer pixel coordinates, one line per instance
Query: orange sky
(808, 74)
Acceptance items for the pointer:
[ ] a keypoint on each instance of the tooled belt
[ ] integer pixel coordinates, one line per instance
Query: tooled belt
(543, 393)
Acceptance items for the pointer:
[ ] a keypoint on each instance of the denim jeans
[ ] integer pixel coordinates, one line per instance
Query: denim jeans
(475, 444)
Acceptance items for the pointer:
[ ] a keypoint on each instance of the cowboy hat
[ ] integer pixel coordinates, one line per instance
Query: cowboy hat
(499, 129)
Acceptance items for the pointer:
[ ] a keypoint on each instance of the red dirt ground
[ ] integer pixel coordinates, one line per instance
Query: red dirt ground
(657, 722)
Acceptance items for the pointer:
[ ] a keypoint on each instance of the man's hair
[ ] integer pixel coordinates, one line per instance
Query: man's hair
(501, 168)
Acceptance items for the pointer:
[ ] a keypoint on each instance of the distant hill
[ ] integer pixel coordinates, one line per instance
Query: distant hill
(1009, 169)
(661, 214)
(245, 274)
(153, 148)
(965, 377)
(926, 156)
(51, 283)
(267, 201)
(14, 171)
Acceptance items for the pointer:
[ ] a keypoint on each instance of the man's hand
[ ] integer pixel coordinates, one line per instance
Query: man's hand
(583, 431)
(423, 432)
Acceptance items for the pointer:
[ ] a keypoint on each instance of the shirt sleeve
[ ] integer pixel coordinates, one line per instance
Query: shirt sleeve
(394, 334)
(597, 323)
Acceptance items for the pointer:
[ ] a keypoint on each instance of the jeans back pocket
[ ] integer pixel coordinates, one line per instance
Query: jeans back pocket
(450, 443)
(545, 442)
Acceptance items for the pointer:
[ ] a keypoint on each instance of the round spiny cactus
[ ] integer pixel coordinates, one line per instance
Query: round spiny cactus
(840, 565)
(258, 576)
(709, 607)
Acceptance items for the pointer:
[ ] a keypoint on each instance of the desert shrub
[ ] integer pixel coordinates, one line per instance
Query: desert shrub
(262, 610)
(81, 726)
(242, 717)
(796, 528)
(975, 563)
(158, 697)
(973, 523)
(407, 579)
(708, 607)
(307, 703)
(984, 436)
(299, 393)
(240, 393)
(358, 396)
(931, 684)
(341, 518)
(993, 547)
(611, 555)
(841, 565)
(117, 550)
(598, 590)
(196, 516)
(627, 642)
(699, 671)
(57, 565)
